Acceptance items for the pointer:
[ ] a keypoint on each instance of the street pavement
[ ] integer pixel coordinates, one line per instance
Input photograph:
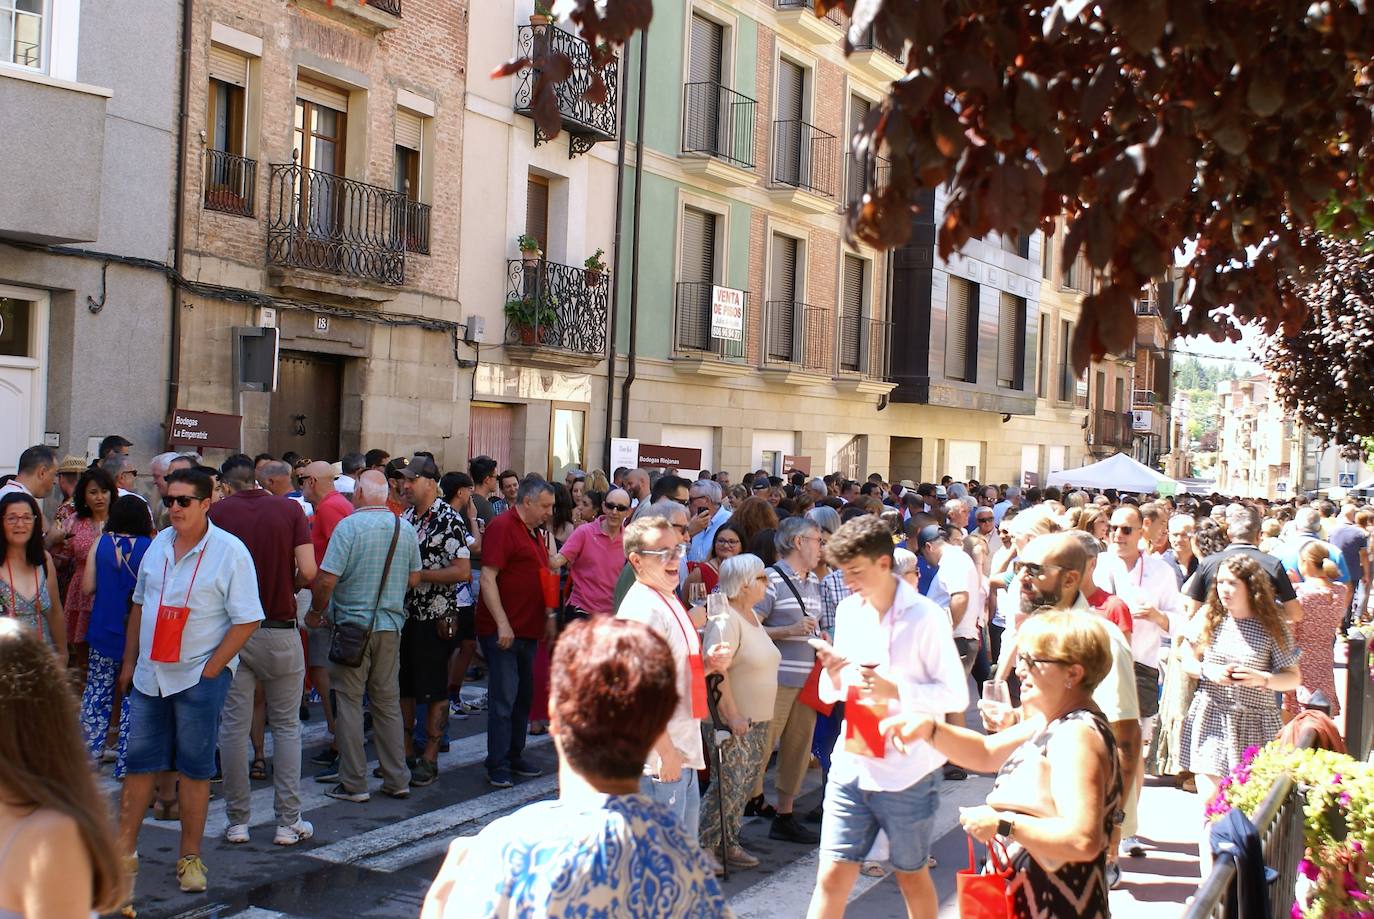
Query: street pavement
(368, 861)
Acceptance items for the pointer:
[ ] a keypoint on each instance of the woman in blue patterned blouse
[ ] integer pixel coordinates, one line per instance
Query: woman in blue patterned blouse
(601, 848)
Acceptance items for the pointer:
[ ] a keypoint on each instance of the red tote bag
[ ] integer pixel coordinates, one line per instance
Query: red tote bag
(810, 694)
(983, 896)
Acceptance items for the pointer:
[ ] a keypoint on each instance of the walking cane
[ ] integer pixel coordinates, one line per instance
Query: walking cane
(723, 734)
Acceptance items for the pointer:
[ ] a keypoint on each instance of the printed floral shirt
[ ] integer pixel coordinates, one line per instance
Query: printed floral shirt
(442, 539)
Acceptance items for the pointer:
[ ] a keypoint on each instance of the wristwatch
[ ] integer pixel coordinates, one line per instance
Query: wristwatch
(1005, 828)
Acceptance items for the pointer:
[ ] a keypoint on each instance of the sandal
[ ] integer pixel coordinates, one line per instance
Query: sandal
(258, 770)
(166, 810)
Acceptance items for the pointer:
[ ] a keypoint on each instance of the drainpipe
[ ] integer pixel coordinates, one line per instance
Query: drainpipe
(179, 214)
(634, 252)
(615, 259)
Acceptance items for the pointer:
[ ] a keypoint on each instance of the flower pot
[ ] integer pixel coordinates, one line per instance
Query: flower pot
(593, 277)
(539, 19)
(530, 257)
(526, 335)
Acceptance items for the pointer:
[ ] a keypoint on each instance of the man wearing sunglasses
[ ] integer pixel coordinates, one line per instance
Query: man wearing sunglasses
(195, 605)
(595, 556)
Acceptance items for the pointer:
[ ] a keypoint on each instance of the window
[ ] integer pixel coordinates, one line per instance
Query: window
(408, 161)
(780, 334)
(321, 116)
(1011, 341)
(1067, 385)
(1016, 245)
(851, 330)
(537, 210)
(705, 93)
(229, 175)
(961, 330)
(696, 275)
(1047, 256)
(856, 181)
(1042, 363)
(21, 33)
(1119, 391)
(791, 165)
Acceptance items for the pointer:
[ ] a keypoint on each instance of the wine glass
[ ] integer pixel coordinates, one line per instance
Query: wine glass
(717, 606)
(996, 704)
(696, 593)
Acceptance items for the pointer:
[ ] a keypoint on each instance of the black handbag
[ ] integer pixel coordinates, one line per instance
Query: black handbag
(348, 642)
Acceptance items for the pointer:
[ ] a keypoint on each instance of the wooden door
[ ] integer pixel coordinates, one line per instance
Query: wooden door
(305, 407)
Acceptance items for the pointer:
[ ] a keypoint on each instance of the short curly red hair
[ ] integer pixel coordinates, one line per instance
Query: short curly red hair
(613, 687)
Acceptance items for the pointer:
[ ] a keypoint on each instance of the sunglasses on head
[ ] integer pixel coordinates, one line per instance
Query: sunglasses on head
(616, 507)
(179, 500)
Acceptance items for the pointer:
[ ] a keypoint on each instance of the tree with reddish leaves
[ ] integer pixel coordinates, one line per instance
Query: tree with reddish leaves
(1235, 125)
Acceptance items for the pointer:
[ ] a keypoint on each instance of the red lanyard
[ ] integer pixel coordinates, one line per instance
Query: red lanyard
(163, 588)
(672, 611)
(14, 601)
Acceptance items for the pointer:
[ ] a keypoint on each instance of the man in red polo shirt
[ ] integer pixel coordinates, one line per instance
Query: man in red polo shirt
(317, 487)
(511, 618)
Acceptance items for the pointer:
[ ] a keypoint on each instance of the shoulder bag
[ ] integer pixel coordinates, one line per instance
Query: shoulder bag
(348, 642)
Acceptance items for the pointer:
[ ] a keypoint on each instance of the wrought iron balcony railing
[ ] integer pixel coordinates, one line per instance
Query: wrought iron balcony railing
(415, 226)
(555, 306)
(387, 6)
(718, 121)
(864, 345)
(832, 17)
(320, 221)
(798, 334)
(871, 42)
(230, 182)
(692, 324)
(585, 121)
(862, 178)
(804, 157)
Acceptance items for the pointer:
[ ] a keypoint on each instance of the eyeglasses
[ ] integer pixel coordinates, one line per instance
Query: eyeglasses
(20, 520)
(1034, 569)
(1027, 661)
(616, 507)
(728, 542)
(179, 500)
(677, 551)
(1113, 527)
(985, 520)
(682, 528)
(762, 579)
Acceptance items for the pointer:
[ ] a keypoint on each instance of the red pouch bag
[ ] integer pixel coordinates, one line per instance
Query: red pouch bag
(983, 896)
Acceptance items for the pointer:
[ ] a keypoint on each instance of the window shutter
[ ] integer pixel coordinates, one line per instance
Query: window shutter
(696, 274)
(791, 88)
(228, 67)
(851, 320)
(859, 107)
(784, 281)
(1010, 326)
(408, 130)
(961, 324)
(708, 40)
(1042, 358)
(782, 311)
(537, 210)
(327, 96)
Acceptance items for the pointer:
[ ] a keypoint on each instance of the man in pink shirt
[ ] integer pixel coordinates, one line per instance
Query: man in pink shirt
(595, 557)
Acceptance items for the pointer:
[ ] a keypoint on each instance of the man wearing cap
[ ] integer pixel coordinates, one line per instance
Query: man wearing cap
(957, 588)
(437, 618)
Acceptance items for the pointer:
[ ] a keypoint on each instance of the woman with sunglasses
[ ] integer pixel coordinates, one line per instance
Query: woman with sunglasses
(1058, 787)
(725, 545)
(28, 580)
(594, 558)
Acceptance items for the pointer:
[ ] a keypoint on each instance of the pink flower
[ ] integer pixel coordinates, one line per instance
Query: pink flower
(1308, 870)
(1295, 912)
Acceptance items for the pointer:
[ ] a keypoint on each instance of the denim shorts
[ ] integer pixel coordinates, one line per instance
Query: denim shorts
(179, 731)
(853, 817)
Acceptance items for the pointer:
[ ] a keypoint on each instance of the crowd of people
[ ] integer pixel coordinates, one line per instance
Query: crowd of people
(673, 634)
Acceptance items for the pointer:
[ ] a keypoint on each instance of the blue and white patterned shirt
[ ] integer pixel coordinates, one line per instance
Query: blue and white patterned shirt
(586, 855)
(833, 590)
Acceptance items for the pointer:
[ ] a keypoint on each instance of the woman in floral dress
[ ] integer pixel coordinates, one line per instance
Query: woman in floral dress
(1323, 606)
(1241, 651)
(95, 493)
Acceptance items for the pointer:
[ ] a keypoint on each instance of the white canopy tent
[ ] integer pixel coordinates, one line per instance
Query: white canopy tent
(1120, 472)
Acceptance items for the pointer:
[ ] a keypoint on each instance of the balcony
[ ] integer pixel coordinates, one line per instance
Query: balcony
(387, 6)
(415, 226)
(52, 142)
(1143, 397)
(718, 134)
(555, 314)
(230, 183)
(695, 349)
(878, 56)
(371, 16)
(585, 121)
(804, 160)
(798, 19)
(326, 223)
(797, 344)
(863, 355)
(862, 178)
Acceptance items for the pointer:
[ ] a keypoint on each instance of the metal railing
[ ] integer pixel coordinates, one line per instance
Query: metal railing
(415, 226)
(718, 121)
(862, 178)
(804, 157)
(864, 345)
(1146, 308)
(832, 17)
(799, 334)
(1143, 397)
(230, 182)
(555, 306)
(387, 6)
(1279, 820)
(589, 121)
(870, 41)
(324, 222)
(692, 324)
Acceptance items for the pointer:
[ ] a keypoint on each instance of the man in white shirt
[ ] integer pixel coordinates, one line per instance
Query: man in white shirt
(36, 475)
(957, 589)
(893, 652)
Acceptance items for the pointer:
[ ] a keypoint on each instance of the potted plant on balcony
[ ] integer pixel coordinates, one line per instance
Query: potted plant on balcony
(529, 250)
(596, 268)
(531, 316)
(542, 15)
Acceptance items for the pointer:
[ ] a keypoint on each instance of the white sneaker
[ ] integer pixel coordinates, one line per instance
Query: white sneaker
(236, 833)
(109, 755)
(1132, 847)
(290, 835)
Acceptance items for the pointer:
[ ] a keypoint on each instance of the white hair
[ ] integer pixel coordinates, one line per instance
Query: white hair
(162, 461)
(372, 488)
(903, 561)
(737, 572)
